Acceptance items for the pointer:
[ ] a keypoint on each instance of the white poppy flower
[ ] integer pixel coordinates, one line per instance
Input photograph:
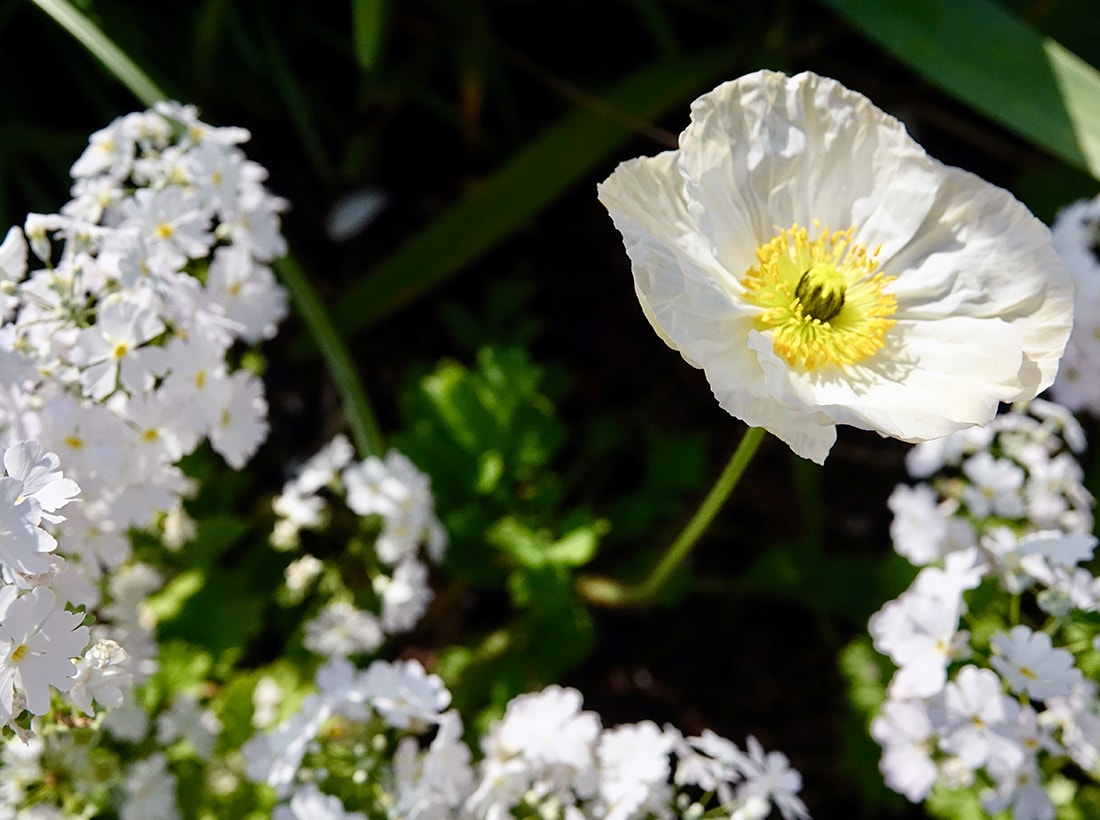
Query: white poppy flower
(821, 269)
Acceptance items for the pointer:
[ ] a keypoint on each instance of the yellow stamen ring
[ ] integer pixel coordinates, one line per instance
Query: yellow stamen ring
(822, 300)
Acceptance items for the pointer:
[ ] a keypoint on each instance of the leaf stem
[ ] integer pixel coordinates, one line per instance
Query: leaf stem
(612, 593)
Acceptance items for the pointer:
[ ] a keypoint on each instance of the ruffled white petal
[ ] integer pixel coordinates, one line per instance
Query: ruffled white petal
(768, 150)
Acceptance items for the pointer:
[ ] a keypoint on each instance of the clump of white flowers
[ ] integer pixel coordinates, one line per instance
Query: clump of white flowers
(120, 321)
(1076, 232)
(384, 739)
(123, 318)
(395, 537)
(43, 646)
(1001, 706)
(120, 316)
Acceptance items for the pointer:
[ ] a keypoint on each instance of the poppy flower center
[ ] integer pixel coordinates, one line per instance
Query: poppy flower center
(821, 291)
(820, 299)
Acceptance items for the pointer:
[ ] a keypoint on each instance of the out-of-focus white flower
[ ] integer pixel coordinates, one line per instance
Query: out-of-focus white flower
(186, 720)
(310, 803)
(980, 720)
(907, 735)
(1029, 663)
(101, 674)
(404, 694)
(395, 489)
(405, 596)
(919, 629)
(150, 790)
(1076, 234)
(805, 253)
(302, 572)
(634, 770)
(434, 783)
(769, 775)
(341, 629)
(266, 698)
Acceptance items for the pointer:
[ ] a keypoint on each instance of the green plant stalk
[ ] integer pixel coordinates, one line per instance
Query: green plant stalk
(114, 59)
(357, 408)
(611, 593)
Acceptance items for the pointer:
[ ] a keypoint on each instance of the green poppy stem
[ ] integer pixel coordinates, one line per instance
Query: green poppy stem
(611, 593)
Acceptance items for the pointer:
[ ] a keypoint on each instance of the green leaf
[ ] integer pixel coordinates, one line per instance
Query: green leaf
(957, 804)
(221, 615)
(181, 666)
(367, 20)
(534, 548)
(994, 62)
(577, 547)
(530, 181)
(525, 545)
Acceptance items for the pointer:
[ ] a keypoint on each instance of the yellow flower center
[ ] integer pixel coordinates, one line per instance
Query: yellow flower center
(821, 299)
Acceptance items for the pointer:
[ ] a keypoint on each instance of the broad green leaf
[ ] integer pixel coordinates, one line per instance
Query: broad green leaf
(530, 181)
(994, 62)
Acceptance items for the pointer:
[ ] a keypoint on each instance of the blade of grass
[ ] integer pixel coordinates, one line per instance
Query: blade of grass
(357, 408)
(529, 182)
(994, 62)
(367, 21)
(103, 49)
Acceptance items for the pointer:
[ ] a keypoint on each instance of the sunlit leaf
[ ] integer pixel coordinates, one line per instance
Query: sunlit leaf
(991, 60)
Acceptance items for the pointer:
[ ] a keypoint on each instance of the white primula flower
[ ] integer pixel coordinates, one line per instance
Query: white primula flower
(310, 803)
(186, 720)
(634, 770)
(1076, 233)
(341, 629)
(821, 269)
(101, 674)
(38, 639)
(1030, 663)
(404, 693)
(907, 733)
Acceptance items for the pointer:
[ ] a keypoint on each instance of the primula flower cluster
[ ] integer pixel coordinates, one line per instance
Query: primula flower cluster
(545, 757)
(1005, 511)
(393, 505)
(42, 645)
(120, 317)
(1076, 233)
